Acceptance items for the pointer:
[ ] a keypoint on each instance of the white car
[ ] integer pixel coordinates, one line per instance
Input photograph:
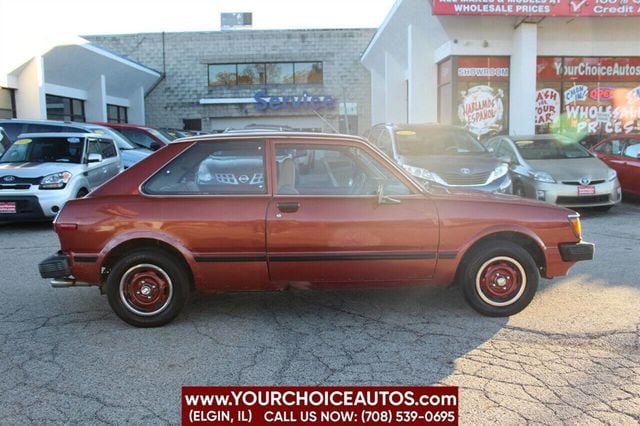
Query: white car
(40, 172)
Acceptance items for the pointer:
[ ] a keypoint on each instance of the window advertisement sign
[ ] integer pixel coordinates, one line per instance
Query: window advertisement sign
(595, 95)
(573, 8)
(482, 85)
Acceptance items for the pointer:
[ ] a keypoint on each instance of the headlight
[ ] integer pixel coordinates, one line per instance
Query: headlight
(423, 174)
(55, 180)
(498, 172)
(612, 175)
(542, 177)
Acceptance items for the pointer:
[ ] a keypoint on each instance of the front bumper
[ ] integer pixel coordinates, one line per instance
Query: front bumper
(606, 194)
(574, 252)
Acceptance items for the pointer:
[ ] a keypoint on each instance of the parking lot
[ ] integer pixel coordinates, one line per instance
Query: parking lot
(573, 356)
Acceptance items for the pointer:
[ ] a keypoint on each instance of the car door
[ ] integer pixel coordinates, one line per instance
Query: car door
(630, 181)
(111, 163)
(327, 224)
(95, 172)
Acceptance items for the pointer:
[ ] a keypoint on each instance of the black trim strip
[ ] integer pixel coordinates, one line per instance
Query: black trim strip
(447, 254)
(230, 258)
(339, 257)
(85, 259)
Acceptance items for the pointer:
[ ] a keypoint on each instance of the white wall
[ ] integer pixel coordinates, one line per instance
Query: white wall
(30, 96)
(95, 107)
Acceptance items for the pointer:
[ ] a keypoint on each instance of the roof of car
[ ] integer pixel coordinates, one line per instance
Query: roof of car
(62, 135)
(400, 126)
(269, 134)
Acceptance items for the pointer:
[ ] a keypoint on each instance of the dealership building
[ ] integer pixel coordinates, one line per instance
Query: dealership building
(212, 81)
(509, 66)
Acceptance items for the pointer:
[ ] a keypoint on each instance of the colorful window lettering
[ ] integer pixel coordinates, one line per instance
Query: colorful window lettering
(588, 95)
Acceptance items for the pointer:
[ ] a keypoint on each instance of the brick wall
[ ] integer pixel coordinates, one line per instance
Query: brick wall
(185, 56)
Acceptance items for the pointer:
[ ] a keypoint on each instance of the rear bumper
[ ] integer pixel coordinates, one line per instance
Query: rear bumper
(575, 252)
(56, 266)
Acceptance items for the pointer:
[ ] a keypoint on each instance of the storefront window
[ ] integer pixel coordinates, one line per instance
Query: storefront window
(474, 93)
(7, 103)
(117, 114)
(251, 74)
(307, 72)
(222, 75)
(66, 109)
(587, 95)
(280, 73)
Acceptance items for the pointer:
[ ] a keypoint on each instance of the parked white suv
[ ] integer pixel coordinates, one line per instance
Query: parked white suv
(40, 172)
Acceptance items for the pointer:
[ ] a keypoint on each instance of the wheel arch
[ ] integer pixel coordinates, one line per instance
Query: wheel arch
(521, 239)
(147, 243)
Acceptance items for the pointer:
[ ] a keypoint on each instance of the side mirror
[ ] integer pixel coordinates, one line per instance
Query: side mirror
(383, 199)
(95, 158)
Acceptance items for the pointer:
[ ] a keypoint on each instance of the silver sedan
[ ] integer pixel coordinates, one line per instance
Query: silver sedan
(554, 169)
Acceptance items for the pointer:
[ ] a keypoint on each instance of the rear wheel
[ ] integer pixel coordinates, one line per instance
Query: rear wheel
(498, 278)
(147, 288)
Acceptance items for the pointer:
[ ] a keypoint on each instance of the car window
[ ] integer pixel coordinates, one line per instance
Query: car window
(93, 147)
(213, 168)
(332, 170)
(107, 148)
(550, 149)
(505, 151)
(384, 142)
(633, 148)
(45, 150)
(138, 137)
(13, 129)
(611, 147)
(435, 141)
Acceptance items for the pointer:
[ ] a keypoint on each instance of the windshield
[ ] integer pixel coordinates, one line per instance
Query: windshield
(159, 135)
(550, 149)
(121, 140)
(434, 141)
(45, 150)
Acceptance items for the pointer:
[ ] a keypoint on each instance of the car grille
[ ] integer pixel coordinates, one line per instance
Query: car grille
(576, 183)
(459, 179)
(593, 199)
(21, 186)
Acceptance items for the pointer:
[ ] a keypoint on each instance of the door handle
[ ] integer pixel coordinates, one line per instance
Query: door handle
(288, 207)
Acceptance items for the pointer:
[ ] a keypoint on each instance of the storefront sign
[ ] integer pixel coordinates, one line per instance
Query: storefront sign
(481, 110)
(573, 8)
(589, 69)
(296, 102)
(547, 106)
(483, 68)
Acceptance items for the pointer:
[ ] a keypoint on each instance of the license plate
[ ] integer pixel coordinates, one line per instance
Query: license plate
(586, 190)
(7, 207)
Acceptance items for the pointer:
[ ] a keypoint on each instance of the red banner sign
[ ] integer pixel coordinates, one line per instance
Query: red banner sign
(574, 8)
(588, 69)
(286, 405)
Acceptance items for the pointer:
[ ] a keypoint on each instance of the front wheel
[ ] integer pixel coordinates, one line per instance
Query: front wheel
(499, 278)
(147, 288)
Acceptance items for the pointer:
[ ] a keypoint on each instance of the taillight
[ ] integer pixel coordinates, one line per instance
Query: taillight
(576, 226)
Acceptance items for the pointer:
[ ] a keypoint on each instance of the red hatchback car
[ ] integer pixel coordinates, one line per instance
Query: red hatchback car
(271, 211)
(143, 136)
(622, 153)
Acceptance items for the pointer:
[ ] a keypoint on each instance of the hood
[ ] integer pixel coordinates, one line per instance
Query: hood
(572, 169)
(453, 163)
(33, 170)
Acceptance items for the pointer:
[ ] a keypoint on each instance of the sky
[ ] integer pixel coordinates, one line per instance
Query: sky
(89, 17)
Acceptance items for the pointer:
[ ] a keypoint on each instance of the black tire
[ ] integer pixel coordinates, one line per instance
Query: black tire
(147, 288)
(498, 278)
(81, 193)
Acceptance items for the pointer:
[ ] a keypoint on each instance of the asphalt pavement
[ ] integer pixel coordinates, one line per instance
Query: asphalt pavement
(573, 356)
